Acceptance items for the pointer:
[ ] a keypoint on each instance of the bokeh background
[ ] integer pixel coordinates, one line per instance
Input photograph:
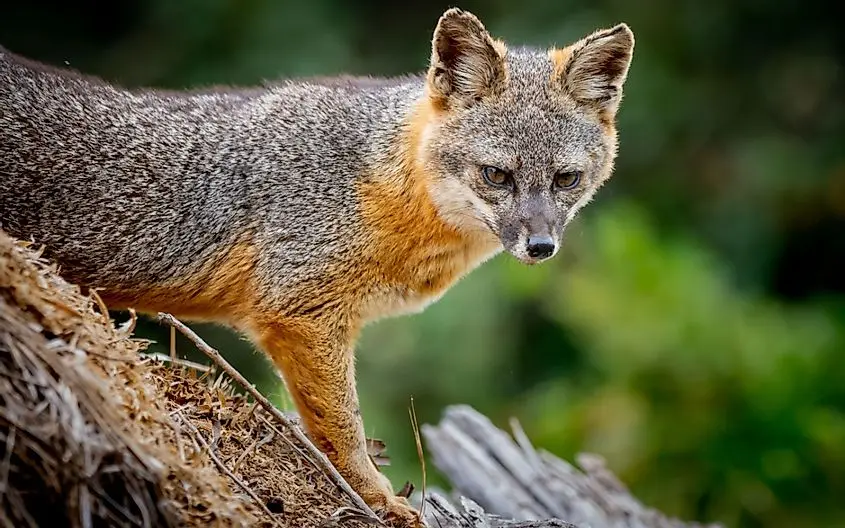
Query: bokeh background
(692, 330)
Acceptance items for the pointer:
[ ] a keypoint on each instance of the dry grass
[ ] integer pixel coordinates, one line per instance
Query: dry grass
(92, 433)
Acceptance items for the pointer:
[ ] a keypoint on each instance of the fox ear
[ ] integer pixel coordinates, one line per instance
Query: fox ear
(466, 63)
(593, 70)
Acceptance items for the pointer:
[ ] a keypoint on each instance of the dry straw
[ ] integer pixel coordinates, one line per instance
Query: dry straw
(92, 433)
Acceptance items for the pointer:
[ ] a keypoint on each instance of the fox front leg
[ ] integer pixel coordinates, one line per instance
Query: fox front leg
(318, 368)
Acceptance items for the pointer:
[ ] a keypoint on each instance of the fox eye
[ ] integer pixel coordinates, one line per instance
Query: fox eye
(496, 177)
(567, 180)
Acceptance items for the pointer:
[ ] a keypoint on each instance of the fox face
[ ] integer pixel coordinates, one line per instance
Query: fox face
(518, 140)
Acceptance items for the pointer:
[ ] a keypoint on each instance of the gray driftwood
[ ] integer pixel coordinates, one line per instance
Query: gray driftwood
(502, 481)
(440, 513)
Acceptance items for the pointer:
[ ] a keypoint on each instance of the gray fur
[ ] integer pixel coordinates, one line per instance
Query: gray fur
(133, 188)
(129, 189)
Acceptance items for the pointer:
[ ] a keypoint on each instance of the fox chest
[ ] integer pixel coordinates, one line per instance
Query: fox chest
(419, 284)
(394, 298)
(392, 301)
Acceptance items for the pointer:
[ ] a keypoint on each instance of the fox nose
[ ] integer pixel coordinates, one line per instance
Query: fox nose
(540, 246)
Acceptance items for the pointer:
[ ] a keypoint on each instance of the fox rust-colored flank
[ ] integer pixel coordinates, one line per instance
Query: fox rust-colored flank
(298, 212)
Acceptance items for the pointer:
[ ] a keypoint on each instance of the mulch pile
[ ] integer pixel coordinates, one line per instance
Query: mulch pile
(94, 433)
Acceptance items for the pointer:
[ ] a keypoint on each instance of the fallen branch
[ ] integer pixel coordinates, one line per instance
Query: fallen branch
(508, 478)
(442, 514)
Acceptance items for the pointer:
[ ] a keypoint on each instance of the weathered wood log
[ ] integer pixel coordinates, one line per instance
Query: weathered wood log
(440, 513)
(497, 477)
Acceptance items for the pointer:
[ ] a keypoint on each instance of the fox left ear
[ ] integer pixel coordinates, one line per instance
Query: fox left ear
(466, 63)
(593, 70)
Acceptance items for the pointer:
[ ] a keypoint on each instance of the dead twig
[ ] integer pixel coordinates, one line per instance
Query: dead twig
(345, 514)
(254, 447)
(7, 461)
(173, 344)
(288, 441)
(197, 436)
(315, 455)
(128, 327)
(178, 361)
(415, 425)
(216, 428)
(104, 312)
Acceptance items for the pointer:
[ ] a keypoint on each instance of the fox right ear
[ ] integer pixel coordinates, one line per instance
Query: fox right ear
(466, 63)
(593, 70)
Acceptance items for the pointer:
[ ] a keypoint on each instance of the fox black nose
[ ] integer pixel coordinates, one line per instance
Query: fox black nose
(541, 246)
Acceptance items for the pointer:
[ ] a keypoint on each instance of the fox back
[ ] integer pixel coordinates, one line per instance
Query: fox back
(132, 189)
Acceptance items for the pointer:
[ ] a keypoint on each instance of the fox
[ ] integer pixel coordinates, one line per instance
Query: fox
(299, 211)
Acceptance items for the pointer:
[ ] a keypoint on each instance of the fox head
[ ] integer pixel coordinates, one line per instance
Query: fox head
(516, 141)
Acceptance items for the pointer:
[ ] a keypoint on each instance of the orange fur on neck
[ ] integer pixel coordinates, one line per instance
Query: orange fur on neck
(412, 246)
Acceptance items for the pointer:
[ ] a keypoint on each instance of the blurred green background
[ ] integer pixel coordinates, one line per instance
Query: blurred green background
(692, 331)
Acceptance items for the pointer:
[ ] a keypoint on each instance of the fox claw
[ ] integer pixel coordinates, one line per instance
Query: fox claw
(398, 513)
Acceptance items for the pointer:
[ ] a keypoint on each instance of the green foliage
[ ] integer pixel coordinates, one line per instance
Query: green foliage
(729, 397)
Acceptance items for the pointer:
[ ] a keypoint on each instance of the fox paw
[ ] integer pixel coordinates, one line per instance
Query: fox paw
(394, 510)
(398, 513)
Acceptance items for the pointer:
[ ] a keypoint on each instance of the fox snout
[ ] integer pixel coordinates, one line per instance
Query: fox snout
(538, 241)
(540, 247)
(531, 242)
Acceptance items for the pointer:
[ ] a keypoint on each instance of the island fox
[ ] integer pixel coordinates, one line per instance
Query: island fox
(298, 212)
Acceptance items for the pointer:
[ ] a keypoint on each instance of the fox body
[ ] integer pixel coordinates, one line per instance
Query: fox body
(298, 212)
